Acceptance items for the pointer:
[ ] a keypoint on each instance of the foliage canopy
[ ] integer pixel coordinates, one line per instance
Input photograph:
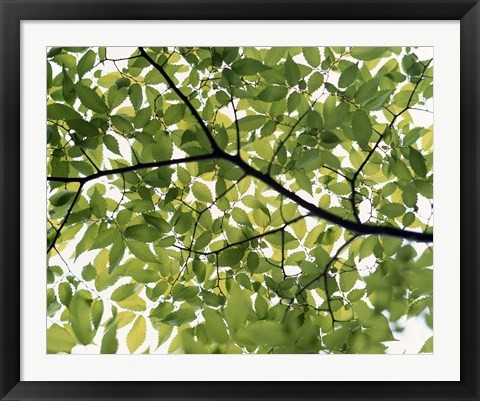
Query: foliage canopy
(238, 200)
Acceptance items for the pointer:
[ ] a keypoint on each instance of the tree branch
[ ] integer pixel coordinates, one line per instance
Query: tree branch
(187, 102)
(69, 211)
(372, 151)
(358, 228)
(138, 166)
(323, 274)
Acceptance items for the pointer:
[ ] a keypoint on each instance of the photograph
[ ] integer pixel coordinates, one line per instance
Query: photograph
(235, 200)
(239, 200)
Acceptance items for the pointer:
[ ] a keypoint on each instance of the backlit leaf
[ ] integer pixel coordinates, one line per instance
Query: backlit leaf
(248, 66)
(90, 99)
(362, 128)
(273, 93)
(136, 335)
(59, 340)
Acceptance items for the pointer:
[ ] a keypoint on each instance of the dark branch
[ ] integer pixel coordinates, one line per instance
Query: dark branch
(323, 274)
(192, 109)
(69, 211)
(138, 166)
(358, 228)
(372, 151)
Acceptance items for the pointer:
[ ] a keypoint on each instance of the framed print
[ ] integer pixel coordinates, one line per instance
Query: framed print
(241, 200)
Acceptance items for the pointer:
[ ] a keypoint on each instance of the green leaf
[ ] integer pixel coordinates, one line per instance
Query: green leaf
(80, 317)
(367, 246)
(273, 93)
(90, 99)
(65, 60)
(141, 251)
(142, 117)
(200, 270)
(61, 198)
(240, 216)
(109, 341)
(312, 55)
(109, 79)
(164, 333)
(87, 240)
(260, 218)
(379, 100)
(334, 115)
(230, 257)
(202, 192)
(97, 312)
(163, 148)
(237, 309)
(408, 219)
(367, 91)
(142, 233)
(174, 114)
(106, 238)
(340, 188)
(137, 334)
(134, 303)
(293, 101)
(315, 81)
(292, 72)
(59, 340)
(392, 210)
(153, 77)
(303, 181)
(136, 96)
(309, 160)
(122, 82)
(68, 89)
(348, 279)
(348, 76)
(417, 162)
(248, 66)
(144, 276)
(115, 255)
(314, 119)
(125, 291)
(98, 205)
(251, 123)
(195, 248)
(263, 333)
(122, 124)
(362, 128)
(112, 144)
(83, 128)
(82, 167)
(215, 327)
(157, 222)
(180, 317)
(116, 96)
(367, 53)
(86, 63)
(261, 306)
(58, 111)
(65, 293)
(391, 245)
(427, 347)
(409, 196)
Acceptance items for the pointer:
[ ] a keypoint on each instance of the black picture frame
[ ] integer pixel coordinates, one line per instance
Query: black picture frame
(14, 11)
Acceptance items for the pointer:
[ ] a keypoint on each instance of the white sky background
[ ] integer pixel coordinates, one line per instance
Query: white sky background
(415, 330)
